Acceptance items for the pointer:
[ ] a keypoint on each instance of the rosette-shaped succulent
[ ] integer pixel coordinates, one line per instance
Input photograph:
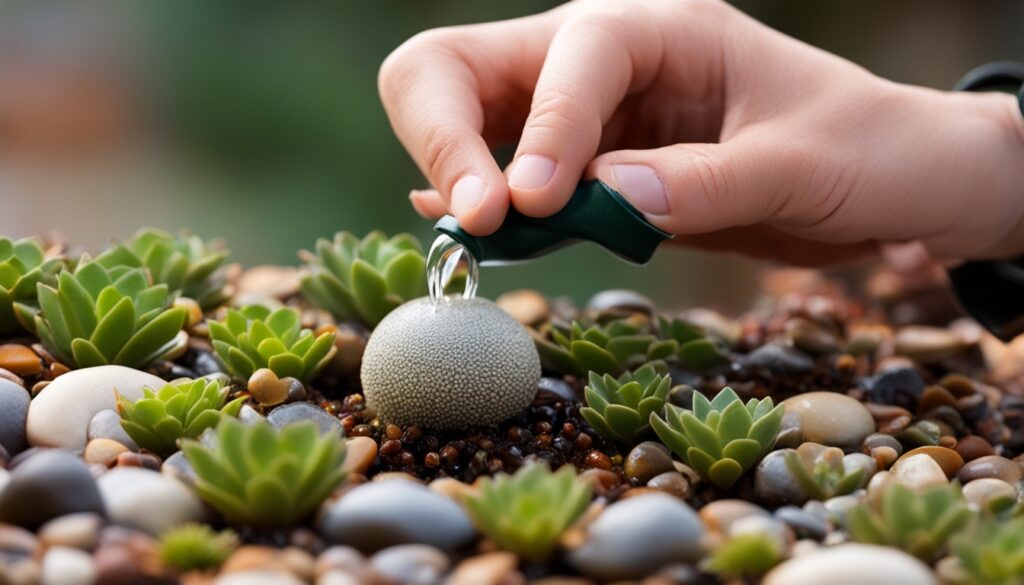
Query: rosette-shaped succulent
(527, 512)
(919, 522)
(196, 547)
(364, 280)
(179, 410)
(620, 409)
(184, 262)
(696, 351)
(720, 439)
(992, 553)
(821, 472)
(605, 349)
(22, 266)
(750, 554)
(97, 316)
(257, 475)
(256, 337)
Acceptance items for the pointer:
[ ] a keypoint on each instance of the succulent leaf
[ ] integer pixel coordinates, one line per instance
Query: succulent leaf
(992, 552)
(610, 348)
(182, 409)
(527, 512)
(259, 476)
(746, 555)
(23, 265)
(196, 547)
(821, 473)
(254, 337)
(620, 409)
(719, 438)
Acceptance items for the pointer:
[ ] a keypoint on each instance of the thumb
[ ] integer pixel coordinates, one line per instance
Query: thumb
(699, 188)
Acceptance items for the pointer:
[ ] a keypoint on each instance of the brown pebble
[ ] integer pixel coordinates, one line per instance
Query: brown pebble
(393, 431)
(884, 456)
(452, 488)
(526, 306)
(596, 460)
(990, 466)
(972, 447)
(103, 451)
(432, 459)
(390, 447)
(949, 460)
(671, 482)
(935, 396)
(361, 431)
(360, 453)
(254, 558)
(20, 360)
(267, 389)
(601, 480)
(647, 460)
(496, 568)
(129, 459)
(583, 442)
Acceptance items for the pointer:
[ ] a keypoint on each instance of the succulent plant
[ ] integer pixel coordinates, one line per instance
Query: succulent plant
(22, 266)
(196, 547)
(919, 522)
(256, 337)
(696, 351)
(720, 439)
(182, 409)
(992, 553)
(527, 512)
(97, 316)
(260, 476)
(184, 262)
(620, 409)
(604, 349)
(821, 473)
(745, 555)
(364, 280)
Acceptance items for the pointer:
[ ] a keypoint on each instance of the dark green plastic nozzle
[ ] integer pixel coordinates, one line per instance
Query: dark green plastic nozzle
(595, 213)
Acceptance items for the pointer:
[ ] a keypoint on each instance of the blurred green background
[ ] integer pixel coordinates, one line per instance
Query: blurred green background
(259, 121)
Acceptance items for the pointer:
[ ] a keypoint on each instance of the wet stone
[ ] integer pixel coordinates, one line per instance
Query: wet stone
(107, 425)
(900, 387)
(781, 360)
(14, 402)
(410, 563)
(552, 390)
(831, 419)
(289, 413)
(647, 460)
(990, 466)
(48, 484)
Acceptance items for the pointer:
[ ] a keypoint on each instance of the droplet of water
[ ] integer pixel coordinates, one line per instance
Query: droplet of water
(442, 260)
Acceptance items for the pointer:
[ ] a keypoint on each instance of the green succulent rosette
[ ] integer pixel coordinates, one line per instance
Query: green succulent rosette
(196, 547)
(611, 348)
(697, 350)
(821, 473)
(991, 552)
(620, 409)
(23, 265)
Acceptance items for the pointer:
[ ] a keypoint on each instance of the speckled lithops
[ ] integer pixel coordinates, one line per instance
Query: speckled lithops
(449, 365)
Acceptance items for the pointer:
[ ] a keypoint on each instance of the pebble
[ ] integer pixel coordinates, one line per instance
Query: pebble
(14, 404)
(647, 460)
(17, 542)
(638, 536)
(125, 557)
(59, 416)
(831, 419)
(718, 516)
(972, 447)
(339, 578)
(67, 566)
(773, 482)
(901, 386)
(179, 468)
(671, 482)
(103, 451)
(48, 484)
(811, 337)
(552, 390)
(452, 488)
(254, 557)
(949, 460)
(360, 453)
(839, 506)
(876, 440)
(803, 523)
(985, 490)
(79, 531)
(990, 466)
(148, 500)
(258, 578)
(268, 282)
(267, 389)
(529, 307)
(20, 360)
(496, 568)
(918, 472)
(289, 413)
(249, 415)
(781, 360)
(380, 514)
(340, 559)
(926, 344)
(621, 300)
(410, 564)
(107, 425)
(852, 564)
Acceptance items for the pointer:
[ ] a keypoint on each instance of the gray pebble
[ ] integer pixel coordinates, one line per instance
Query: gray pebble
(13, 411)
(48, 484)
(289, 413)
(410, 564)
(107, 425)
(780, 359)
(803, 523)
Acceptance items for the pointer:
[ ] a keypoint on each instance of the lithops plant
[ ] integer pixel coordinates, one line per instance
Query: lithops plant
(453, 364)
(620, 409)
(22, 266)
(604, 349)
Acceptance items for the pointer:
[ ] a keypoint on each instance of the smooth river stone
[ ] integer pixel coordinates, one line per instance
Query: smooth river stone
(852, 564)
(59, 416)
(918, 472)
(148, 500)
(48, 484)
(637, 536)
(831, 419)
(990, 466)
(13, 410)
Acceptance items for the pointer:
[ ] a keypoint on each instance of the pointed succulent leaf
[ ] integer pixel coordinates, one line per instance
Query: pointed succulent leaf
(254, 338)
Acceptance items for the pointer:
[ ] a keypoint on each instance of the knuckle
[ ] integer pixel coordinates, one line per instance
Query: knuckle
(399, 68)
(712, 175)
(554, 110)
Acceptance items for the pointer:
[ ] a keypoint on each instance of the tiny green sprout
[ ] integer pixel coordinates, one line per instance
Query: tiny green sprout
(604, 349)
(97, 316)
(196, 547)
(992, 552)
(364, 280)
(720, 439)
(918, 522)
(526, 513)
(260, 476)
(696, 351)
(620, 409)
(745, 555)
(184, 262)
(821, 473)
(182, 409)
(255, 337)
(23, 265)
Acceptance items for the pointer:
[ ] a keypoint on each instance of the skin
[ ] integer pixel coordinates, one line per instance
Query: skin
(721, 130)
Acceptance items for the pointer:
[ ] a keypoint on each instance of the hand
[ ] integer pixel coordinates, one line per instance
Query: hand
(719, 129)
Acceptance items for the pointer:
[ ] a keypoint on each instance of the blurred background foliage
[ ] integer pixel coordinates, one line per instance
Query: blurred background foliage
(259, 121)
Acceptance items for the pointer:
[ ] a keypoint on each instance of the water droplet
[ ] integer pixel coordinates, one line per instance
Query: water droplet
(442, 261)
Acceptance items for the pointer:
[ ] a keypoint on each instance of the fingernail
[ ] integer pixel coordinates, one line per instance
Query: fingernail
(531, 172)
(643, 188)
(467, 194)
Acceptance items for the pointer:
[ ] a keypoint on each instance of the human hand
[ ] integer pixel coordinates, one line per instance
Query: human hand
(718, 128)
